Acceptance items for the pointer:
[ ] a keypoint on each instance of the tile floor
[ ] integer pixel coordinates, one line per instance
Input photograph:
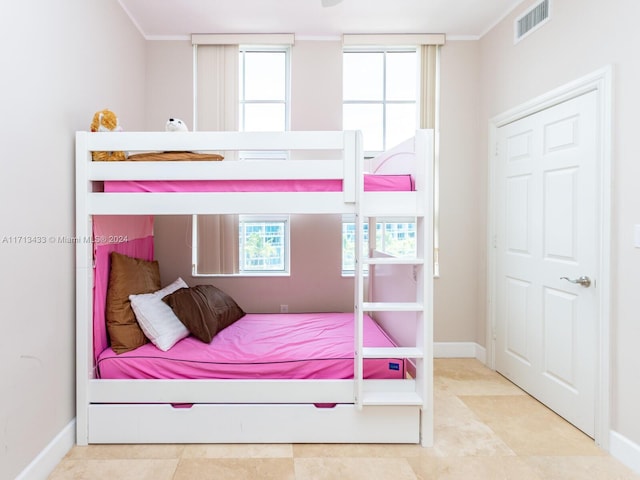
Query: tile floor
(485, 428)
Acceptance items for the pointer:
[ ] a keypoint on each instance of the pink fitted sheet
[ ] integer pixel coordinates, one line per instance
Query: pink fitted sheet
(258, 346)
(372, 183)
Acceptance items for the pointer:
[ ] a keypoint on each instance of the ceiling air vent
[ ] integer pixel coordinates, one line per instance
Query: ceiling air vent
(531, 20)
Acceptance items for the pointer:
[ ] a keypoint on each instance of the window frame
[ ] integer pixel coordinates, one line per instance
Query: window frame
(237, 271)
(242, 101)
(286, 247)
(385, 50)
(258, 155)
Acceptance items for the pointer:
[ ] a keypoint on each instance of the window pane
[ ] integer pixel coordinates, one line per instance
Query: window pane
(402, 76)
(262, 246)
(362, 76)
(264, 74)
(397, 239)
(386, 79)
(264, 117)
(368, 119)
(349, 245)
(401, 123)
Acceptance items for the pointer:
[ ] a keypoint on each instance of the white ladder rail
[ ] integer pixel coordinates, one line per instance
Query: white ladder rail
(424, 147)
(353, 148)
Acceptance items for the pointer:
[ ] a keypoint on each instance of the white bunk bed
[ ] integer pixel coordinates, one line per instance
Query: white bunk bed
(253, 410)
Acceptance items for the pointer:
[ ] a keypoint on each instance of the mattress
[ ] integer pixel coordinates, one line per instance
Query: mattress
(261, 346)
(372, 183)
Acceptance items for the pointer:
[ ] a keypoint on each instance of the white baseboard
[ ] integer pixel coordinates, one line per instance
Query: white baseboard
(459, 350)
(47, 460)
(624, 450)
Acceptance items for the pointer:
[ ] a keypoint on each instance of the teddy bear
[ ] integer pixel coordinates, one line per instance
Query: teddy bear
(106, 121)
(176, 125)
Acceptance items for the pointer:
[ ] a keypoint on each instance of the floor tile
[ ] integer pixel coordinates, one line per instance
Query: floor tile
(238, 451)
(122, 469)
(424, 467)
(353, 469)
(530, 428)
(106, 452)
(465, 376)
(356, 450)
(578, 468)
(459, 432)
(235, 469)
(480, 468)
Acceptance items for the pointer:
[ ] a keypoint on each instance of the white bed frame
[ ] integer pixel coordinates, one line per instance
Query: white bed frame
(258, 411)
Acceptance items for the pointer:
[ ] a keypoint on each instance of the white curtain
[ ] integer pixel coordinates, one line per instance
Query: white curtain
(216, 109)
(428, 85)
(216, 90)
(429, 118)
(217, 244)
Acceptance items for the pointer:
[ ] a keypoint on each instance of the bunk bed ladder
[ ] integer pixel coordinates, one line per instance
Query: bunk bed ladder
(417, 388)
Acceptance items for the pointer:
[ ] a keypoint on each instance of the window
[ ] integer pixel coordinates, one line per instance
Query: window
(264, 244)
(237, 244)
(393, 236)
(264, 107)
(264, 89)
(240, 245)
(380, 95)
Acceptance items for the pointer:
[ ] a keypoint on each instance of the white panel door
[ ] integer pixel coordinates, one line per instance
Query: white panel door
(546, 230)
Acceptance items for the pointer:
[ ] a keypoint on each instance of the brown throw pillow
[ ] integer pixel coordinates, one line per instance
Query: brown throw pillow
(204, 309)
(128, 276)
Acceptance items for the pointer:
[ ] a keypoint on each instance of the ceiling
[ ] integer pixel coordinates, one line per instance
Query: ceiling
(165, 19)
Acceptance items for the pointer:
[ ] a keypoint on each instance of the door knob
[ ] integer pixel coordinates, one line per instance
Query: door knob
(583, 281)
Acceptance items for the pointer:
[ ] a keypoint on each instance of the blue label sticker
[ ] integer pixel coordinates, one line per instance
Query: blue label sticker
(394, 366)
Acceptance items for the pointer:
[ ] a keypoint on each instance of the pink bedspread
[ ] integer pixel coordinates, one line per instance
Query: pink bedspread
(277, 346)
(372, 183)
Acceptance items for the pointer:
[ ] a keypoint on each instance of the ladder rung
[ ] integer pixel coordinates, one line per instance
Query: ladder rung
(392, 307)
(392, 261)
(394, 210)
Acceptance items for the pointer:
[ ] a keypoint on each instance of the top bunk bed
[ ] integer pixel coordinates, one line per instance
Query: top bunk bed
(181, 173)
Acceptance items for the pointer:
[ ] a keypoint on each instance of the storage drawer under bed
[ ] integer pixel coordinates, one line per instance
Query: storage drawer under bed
(252, 423)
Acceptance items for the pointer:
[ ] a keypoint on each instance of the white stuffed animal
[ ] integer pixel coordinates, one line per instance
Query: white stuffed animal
(176, 125)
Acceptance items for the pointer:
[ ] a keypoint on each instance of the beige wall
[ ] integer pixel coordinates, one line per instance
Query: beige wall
(458, 306)
(61, 62)
(169, 83)
(316, 85)
(583, 36)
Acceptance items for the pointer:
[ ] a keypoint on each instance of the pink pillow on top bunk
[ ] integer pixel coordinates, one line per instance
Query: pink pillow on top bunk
(156, 319)
(204, 309)
(128, 276)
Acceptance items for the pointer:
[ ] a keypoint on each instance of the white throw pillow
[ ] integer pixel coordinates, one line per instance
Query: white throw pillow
(156, 319)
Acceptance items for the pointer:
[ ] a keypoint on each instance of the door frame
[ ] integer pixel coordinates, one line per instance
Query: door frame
(601, 82)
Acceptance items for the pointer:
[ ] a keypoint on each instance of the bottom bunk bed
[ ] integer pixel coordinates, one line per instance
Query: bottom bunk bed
(264, 378)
